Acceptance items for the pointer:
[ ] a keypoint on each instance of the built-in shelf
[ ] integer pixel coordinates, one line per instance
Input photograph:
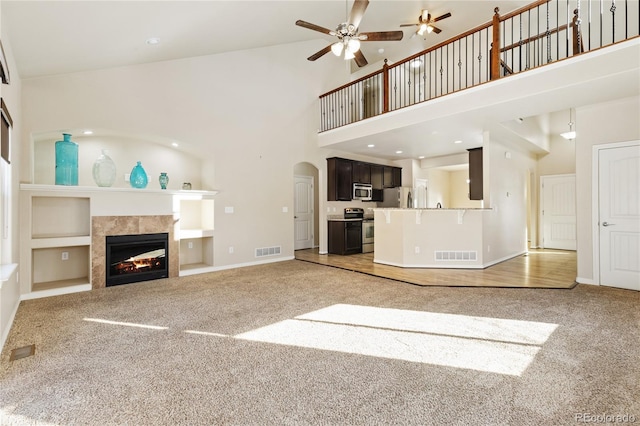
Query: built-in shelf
(51, 285)
(195, 233)
(56, 231)
(37, 242)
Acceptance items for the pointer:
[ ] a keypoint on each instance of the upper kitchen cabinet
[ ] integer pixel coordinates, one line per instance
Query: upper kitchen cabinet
(377, 184)
(361, 172)
(392, 177)
(475, 174)
(343, 173)
(339, 179)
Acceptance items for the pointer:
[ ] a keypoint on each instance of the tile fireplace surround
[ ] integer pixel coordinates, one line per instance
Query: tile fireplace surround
(103, 226)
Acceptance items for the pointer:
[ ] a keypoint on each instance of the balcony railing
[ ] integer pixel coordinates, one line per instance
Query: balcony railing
(541, 33)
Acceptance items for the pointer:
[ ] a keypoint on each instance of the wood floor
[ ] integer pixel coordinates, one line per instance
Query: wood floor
(536, 269)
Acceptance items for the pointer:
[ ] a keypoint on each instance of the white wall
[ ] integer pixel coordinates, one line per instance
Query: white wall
(9, 244)
(505, 228)
(611, 122)
(155, 158)
(250, 116)
(437, 188)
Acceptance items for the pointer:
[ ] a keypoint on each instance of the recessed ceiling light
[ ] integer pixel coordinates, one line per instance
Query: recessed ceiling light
(174, 144)
(398, 152)
(87, 132)
(457, 141)
(421, 157)
(370, 145)
(153, 40)
(381, 51)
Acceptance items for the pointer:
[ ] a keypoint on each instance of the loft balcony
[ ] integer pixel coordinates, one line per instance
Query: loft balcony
(549, 56)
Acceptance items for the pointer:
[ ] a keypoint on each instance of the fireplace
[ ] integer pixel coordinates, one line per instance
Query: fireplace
(134, 258)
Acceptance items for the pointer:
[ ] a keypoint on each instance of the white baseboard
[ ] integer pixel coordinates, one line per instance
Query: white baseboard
(5, 332)
(257, 262)
(586, 281)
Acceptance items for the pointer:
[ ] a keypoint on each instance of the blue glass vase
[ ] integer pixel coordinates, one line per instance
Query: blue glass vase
(164, 180)
(66, 161)
(138, 177)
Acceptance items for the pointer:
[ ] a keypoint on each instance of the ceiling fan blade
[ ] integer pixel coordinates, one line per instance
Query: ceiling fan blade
(409, 25)
(313, 27)
(357, 12)
(382, 36)
(440, 18)
(436, 30)
(360, 59)
(319, 53)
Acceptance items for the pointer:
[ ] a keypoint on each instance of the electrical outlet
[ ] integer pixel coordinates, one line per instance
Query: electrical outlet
(231, 250)
(190, 244)
(65, 255)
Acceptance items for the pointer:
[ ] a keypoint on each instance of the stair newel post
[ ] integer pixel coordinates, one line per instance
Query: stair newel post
(495, 47)
(385, 85)
(577, 34)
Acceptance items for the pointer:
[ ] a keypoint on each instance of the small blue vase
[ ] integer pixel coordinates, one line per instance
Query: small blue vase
(66, 161)
(164, 180)
(138, 177)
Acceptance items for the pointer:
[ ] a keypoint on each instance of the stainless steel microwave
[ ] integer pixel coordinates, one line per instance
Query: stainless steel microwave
(362, 191)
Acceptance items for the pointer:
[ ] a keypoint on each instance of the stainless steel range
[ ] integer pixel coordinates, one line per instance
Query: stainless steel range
(367, 227)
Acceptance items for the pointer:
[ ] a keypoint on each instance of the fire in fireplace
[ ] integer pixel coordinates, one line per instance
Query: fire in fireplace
(134, 258)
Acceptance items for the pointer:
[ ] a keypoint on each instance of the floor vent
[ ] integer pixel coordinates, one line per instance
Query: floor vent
(268, 251)
(456, 255)
(22, 352)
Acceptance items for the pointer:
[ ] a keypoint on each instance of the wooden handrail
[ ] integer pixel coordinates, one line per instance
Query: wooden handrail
(523, 9)
(351, 83)
(534, 38)
(444, 43)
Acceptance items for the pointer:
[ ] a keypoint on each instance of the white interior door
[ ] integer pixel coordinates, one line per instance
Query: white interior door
(619, 216)
(303, 212)
(558, 195)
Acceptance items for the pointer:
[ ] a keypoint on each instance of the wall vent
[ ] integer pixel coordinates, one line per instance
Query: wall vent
(268, 251)
(456, 255)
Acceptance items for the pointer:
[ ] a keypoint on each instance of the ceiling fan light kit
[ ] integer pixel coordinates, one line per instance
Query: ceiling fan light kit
(348, 37)
(425, 23)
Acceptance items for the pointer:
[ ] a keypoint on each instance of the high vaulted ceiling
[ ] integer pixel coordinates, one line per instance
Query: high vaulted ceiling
(53, 37)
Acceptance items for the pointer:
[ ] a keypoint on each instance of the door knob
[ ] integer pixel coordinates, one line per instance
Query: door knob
(607, 224)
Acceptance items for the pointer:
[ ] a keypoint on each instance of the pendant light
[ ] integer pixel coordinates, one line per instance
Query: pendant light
(571, 134)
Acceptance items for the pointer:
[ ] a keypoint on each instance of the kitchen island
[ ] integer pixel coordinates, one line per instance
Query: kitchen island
(433, 238)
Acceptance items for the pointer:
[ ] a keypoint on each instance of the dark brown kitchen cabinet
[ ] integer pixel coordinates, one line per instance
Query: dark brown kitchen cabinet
(343, 173)
(345, 237)
(339, 179)
(392, 177)
(475, 174)
(377, 182)
(361, 172)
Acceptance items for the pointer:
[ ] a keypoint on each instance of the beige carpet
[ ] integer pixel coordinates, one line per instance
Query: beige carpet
(294, 343)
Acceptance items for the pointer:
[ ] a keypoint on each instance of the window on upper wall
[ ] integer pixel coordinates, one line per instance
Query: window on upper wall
(5, 132)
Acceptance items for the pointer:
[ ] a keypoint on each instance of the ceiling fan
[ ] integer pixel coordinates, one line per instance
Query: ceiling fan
(348, 36)
(425, 23)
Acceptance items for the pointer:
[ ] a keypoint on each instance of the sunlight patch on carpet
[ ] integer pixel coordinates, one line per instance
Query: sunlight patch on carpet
(126, 324)
(484, 344)
(206, 333)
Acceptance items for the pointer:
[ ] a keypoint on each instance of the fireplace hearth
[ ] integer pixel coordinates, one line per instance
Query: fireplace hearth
(135, 258)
